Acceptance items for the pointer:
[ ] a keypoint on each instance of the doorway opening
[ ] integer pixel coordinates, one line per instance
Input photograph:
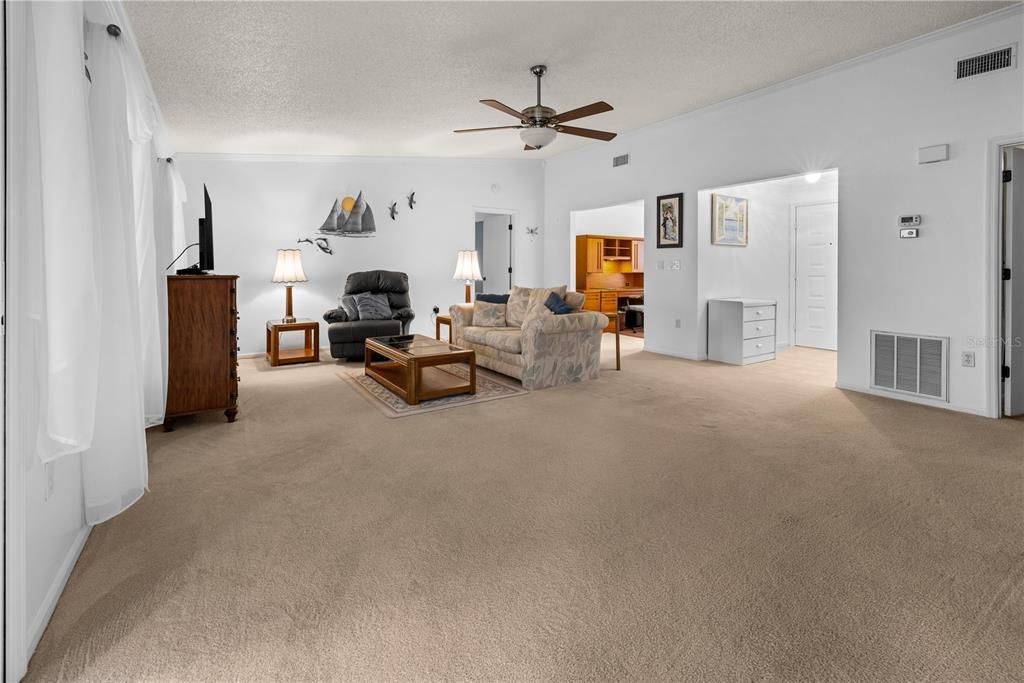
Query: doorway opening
(606, 262)
(494, 251)
(784, 252)
(1010, 369)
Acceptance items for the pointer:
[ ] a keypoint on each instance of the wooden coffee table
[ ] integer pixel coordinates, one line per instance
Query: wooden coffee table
(409, 365)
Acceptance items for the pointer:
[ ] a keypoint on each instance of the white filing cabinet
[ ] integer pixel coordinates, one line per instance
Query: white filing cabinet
(741, 331)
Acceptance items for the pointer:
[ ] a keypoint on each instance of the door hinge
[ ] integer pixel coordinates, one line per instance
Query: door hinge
(1006, 273)
(510, 270)
(510, 226)
(1007, 175)
(1006, 372)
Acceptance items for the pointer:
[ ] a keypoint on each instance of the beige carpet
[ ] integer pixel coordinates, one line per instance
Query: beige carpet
(676, 520)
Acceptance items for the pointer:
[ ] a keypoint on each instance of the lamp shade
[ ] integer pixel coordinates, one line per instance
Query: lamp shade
(468, 267)
(289, 266)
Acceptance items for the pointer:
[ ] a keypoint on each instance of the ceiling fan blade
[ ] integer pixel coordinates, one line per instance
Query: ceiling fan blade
(586, 133)
(527, 148)
(580, 112)
(473, 130)
(495, 104)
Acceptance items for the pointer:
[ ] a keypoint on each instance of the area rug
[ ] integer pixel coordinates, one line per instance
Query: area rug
(489, 387)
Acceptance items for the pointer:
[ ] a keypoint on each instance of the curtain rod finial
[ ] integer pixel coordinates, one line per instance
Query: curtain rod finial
(114, 30)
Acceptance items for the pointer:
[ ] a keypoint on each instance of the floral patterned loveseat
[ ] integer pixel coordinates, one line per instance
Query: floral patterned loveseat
(535, 346)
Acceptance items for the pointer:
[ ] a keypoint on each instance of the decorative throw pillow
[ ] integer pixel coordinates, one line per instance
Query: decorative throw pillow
(493, 298)
(488, 315)
(557, 304)
(518, 304)
(575, 300)
(348, 304)
(536, 308)
(373, 306)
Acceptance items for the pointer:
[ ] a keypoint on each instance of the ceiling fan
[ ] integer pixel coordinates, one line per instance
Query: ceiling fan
(539, 125)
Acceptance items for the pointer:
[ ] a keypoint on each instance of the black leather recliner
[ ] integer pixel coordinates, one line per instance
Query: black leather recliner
(347, 337)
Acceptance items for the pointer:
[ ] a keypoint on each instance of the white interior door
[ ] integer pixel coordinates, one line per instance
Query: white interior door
(816, 264)
(1013, 289)
(496, 259)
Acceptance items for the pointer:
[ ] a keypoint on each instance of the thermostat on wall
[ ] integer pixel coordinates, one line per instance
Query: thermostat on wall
(909, 221)
(908, 232)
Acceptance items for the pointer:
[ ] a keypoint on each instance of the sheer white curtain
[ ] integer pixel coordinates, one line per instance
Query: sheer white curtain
(114, 468)
(94, 297)
(60, 217)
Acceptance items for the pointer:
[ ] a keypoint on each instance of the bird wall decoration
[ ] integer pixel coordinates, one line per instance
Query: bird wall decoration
(412, 200)
(393, 209)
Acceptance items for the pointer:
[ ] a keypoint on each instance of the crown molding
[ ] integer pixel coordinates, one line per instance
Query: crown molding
(342, 158)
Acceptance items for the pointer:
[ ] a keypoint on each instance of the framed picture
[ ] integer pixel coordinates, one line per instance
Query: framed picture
(728, 220)
(670, 220)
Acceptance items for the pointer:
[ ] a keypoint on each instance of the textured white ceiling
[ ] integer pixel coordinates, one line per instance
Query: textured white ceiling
(394, 78)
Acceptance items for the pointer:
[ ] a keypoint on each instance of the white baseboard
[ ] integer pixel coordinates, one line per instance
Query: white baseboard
(42, 618)
(908, 398)
(674, 354)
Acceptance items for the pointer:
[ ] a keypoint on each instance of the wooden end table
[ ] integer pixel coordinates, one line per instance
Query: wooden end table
(310, 351)
(443, 320)
(407, 365)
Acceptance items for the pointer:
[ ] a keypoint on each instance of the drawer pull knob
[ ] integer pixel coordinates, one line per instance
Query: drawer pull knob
(757, 312)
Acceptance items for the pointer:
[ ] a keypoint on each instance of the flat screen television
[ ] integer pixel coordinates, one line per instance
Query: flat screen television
(206, 235)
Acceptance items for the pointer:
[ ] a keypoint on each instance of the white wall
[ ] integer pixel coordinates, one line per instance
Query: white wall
(762, 269)
(626, 219)
(261, 204)
(867, 118)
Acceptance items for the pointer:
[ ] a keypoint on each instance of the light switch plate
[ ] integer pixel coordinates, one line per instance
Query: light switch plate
(676, 265)
(909, 233)
(967, 359)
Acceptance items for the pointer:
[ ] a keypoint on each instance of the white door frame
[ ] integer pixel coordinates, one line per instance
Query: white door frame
(513, 217)
(994, 290)
(792, 265)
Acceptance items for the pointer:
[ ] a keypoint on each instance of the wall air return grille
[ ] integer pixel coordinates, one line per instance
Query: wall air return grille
(984, 63)
(620, 160)
(910, 364)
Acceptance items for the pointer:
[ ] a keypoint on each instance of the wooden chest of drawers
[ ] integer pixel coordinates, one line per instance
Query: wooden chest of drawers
(741, 331)
(202, 363)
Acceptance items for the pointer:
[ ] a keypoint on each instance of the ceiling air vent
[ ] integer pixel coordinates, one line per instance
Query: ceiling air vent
(910, 364)
(984, 63)
(620, 160)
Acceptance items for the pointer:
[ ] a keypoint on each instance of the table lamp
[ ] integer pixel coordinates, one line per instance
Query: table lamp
(467, 268)
(289, 271)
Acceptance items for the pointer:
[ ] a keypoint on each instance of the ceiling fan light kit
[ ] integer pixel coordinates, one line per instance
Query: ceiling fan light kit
(537, 137)
(540, 125)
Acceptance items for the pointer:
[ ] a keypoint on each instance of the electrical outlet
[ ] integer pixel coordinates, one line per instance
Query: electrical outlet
(676, 265)
(679, 323)
(49, 480)
(436, 310)
(661, 265)
(967, 359)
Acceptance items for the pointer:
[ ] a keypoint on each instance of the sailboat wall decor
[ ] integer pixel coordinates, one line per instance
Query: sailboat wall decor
(350, 218)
